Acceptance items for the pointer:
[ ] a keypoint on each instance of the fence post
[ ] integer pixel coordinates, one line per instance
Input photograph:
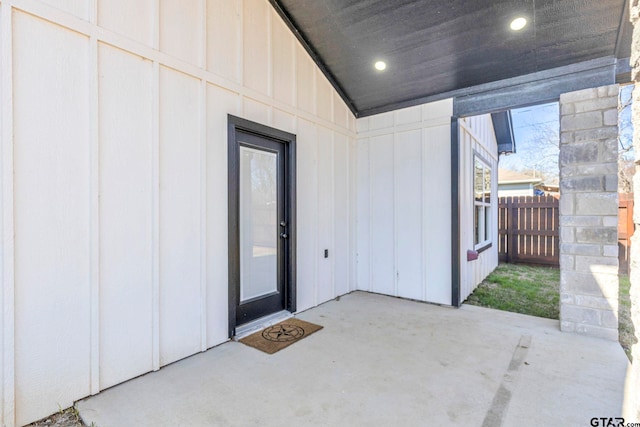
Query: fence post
(511, 241)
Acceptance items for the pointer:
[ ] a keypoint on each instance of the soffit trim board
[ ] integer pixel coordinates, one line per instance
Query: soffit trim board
(623, 71)
(532, 93)
(565, 70)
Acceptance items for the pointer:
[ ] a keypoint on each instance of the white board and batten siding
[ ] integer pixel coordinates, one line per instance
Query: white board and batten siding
(404, 203)
(476, 135)
(114, 183)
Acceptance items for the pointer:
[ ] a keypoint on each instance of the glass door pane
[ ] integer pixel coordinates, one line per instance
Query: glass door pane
(258, 223)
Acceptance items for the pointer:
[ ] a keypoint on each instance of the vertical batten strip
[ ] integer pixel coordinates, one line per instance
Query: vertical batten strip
(332, 102)
(240, 71)
(203, 215)
(94, 208)
(270, 65)
(270, 16)
(2, 234)
(332, 221)
(352, 203)
(314, 92)
(348, 209)
(203, 180)
(8, 276)
(155, 198)
(396, 273)
(316, 239)
(294, 81)
(2, 253)
(202, 55)
(423, 209)
(155, 223)
(317, 250)
(240, 47)
(370, 231)
(354, 213)
(155, 24)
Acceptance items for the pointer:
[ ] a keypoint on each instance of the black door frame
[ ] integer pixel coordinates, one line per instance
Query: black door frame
(289, 140)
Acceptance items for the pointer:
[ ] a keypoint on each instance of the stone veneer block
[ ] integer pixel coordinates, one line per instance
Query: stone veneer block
(597, 203)
(587, 283)
(597, 235)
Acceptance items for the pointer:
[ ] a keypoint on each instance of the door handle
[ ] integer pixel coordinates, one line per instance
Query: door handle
(284, 235)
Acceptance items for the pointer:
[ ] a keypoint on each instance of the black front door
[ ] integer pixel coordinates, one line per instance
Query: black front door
(261, 222)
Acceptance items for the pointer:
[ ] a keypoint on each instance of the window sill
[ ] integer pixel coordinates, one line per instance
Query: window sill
(483, 248)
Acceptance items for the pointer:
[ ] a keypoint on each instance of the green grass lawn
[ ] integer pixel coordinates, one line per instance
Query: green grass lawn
(625, 330)
(520, 289)
(536, 291)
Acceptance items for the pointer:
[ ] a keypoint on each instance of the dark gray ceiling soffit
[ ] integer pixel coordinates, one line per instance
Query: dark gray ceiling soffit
(457, 48)
(623, 38)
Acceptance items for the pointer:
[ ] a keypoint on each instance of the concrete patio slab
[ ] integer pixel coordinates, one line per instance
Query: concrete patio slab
(382, 361)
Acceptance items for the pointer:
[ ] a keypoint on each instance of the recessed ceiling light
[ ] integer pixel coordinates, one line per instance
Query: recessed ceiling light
(518, 23)
(380, 65)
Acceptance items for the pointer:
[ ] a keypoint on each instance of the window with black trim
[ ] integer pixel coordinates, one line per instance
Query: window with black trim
(482, 203)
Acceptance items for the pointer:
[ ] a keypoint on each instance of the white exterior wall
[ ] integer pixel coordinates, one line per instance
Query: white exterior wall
(114, 160)
(404, 203)
(476, 135)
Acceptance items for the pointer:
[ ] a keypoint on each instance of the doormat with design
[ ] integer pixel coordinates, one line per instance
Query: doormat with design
(281, 335)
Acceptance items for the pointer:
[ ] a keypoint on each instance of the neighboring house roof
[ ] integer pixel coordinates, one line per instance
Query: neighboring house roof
(512, 177)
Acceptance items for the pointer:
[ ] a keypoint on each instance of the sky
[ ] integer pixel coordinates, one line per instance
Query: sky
(626, 128)
(536, 132)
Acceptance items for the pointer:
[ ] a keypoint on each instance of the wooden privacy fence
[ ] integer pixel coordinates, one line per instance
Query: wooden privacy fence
(528, 230)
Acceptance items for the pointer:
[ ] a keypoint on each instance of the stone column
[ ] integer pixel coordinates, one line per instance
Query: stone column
(632, 395)
(589, 212)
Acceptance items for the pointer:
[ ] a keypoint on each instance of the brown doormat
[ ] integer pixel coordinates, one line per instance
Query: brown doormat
(281, 335)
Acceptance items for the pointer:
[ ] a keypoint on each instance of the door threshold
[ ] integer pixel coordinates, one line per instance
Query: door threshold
(261, 323)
